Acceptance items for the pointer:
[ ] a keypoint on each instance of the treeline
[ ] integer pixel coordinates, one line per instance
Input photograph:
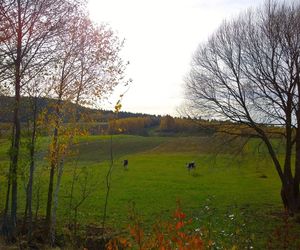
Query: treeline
(168, 125)
(133, 125)
(45, 104)
(159, 125)
(101, 122)
(93, 121)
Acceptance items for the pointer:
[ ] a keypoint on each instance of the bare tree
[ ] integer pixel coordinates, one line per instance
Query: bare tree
(27, 40)
(87, 67)
(248, 72)
(34, 92)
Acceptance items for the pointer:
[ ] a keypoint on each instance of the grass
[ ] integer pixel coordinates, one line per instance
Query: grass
(225, 192)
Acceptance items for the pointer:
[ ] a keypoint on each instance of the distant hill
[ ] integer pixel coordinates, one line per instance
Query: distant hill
(96, 115)
(98, 121)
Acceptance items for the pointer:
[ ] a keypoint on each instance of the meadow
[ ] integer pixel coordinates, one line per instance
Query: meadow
(233, 193)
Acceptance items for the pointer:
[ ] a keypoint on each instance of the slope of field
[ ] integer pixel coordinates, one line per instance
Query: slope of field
(227, 192)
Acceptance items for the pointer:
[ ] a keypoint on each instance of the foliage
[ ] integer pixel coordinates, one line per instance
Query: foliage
(131, 125)
(167, 123)
(166, 235)
(186, 125)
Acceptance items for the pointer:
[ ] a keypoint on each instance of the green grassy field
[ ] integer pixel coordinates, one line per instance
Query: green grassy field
(235, 196)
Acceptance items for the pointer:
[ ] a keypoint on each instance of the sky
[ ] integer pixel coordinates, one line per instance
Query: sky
(160, 39)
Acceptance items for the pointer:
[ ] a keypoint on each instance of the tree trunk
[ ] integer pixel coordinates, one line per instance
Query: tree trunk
(28, 208)
(51, 181)
(297, 178)
(5, 225)
(14, 159)
(297, 140)
(53, 165)
(289, 199)
(55, 203)
(16, 124)
(288, 192)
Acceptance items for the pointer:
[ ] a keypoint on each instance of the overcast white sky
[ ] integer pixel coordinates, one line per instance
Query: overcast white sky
(160, 38)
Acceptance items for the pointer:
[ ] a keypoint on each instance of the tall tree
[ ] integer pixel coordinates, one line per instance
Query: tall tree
(249, 72)
(87, 67)
(34, 91)
(27, 39)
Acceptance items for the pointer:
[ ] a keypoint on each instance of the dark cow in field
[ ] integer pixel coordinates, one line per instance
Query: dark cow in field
(125, 164)
(191, 165)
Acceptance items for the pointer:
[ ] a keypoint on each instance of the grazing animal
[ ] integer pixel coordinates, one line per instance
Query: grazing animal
(191, 165)
(125, 164)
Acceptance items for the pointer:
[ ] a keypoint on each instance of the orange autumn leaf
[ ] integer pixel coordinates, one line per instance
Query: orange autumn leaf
(181, 235)
(179, 225)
